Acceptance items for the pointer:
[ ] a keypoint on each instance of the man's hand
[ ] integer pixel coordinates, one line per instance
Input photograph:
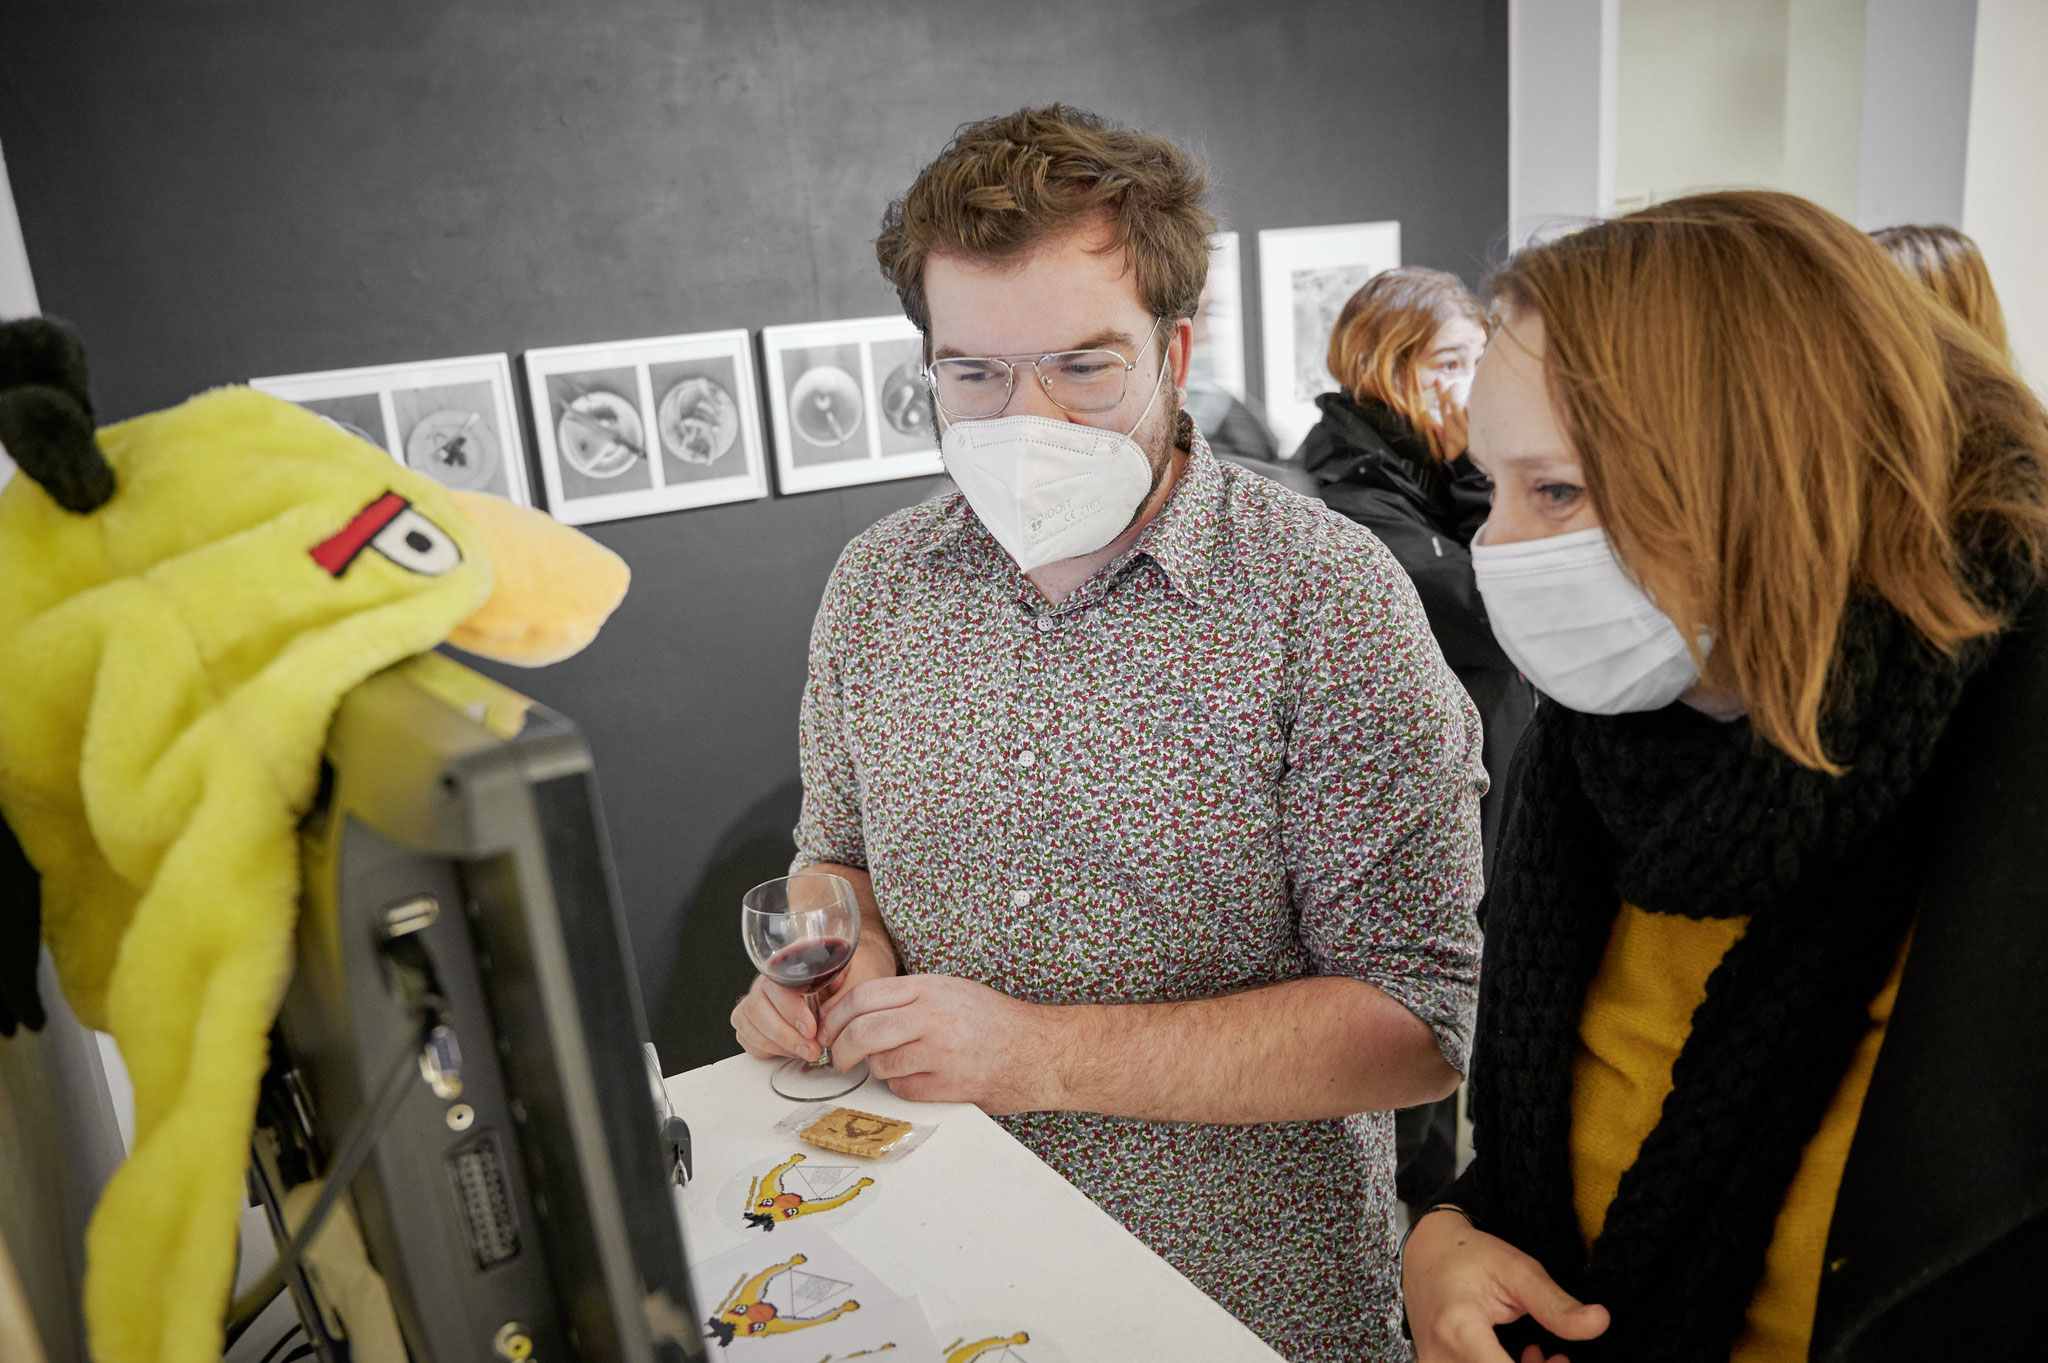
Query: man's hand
(1459, 1282)
(771, 1021)
(941, 1039)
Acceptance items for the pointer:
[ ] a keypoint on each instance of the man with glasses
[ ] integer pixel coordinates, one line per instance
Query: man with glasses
(1159, 800)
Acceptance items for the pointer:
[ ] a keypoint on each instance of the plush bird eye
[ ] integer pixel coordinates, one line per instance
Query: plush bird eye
(417, 545)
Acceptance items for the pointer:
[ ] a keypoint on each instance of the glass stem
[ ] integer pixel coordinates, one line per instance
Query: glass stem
(817, 1030)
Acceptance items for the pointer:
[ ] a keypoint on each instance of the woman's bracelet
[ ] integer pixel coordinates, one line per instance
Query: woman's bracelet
(1432, 1207)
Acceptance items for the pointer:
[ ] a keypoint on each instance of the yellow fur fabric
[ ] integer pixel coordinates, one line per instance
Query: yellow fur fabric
(172, 661)
(554, 586)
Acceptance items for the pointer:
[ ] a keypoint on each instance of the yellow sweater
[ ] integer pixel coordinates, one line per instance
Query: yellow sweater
(1637, 1015)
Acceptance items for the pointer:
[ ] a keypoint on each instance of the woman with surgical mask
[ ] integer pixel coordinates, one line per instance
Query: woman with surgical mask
(1389, 452)
(1768, 526)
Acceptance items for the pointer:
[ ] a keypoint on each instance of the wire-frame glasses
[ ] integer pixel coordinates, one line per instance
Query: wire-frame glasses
(971, 388)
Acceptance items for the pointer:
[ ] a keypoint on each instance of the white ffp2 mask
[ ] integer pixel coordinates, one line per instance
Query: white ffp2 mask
(1049, 489)
(1578, 627)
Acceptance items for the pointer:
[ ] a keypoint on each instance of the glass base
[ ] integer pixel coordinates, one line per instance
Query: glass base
(804, 1082)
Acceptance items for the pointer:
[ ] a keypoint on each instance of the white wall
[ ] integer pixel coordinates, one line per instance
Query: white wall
(17, 286)
(1751, 93)
(2005, 190)
(1702, 97)
(1917, 56)
(1824, 41)
(1562, 58)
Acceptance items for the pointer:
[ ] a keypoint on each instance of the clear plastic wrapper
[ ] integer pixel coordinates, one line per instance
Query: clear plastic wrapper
(850, 1131)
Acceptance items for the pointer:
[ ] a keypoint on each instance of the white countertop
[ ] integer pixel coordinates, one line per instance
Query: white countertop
(982, 1232)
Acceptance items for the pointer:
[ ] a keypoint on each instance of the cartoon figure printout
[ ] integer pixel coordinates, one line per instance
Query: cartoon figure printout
(804, 1299)
(794, 1188)
(992, 1341)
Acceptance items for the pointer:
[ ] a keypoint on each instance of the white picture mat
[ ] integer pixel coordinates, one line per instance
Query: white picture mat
(1348, 253)
(1226, 313)
(828, 1277)
(382, 380)
(876, 466)
(640, 356)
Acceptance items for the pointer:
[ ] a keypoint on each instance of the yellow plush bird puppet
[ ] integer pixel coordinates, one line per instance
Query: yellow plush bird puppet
(184, 600)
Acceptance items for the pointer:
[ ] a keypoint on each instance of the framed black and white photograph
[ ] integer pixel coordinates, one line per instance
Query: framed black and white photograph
(848, 403)
(454, 420)
(1305, 276)
(630, 428)
(1220, 355)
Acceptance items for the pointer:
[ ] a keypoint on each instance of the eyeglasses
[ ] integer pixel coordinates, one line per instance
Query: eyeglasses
(970, 388)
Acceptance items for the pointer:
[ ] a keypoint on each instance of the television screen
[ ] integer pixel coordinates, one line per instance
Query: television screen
(460, 916)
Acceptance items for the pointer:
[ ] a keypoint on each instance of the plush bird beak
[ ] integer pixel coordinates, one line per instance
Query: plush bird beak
(552, 587)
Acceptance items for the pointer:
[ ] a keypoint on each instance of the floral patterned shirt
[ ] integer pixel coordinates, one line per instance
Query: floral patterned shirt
(1232, 757)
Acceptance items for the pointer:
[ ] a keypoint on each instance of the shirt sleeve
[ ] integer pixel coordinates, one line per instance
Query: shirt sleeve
(1379, 803)
(829, 828)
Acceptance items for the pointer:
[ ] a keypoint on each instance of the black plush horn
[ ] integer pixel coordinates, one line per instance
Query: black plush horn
(46, 420)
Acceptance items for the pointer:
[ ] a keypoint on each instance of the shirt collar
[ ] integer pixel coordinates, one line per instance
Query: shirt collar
(1182, 539)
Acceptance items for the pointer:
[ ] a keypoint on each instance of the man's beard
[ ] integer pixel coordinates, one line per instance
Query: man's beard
(1158, 447)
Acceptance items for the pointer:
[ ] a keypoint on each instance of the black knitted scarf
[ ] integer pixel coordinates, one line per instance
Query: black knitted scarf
(1676, 813)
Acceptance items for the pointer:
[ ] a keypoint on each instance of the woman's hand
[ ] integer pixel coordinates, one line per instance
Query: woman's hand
(1453, 422)
(771, 1021)
(1459, 1282)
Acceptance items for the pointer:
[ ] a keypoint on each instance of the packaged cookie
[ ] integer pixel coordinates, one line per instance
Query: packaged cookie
(849, 1131)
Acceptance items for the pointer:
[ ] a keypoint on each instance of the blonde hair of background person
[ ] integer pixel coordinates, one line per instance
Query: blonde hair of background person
(1839, 457)
(1382, 340)
(1770, 425)
(1949, 263)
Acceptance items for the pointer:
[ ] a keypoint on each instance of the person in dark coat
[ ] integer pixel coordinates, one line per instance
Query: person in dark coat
(1389, 452)
(1758, 1072)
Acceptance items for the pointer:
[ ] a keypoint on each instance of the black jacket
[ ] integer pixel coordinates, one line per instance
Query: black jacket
(1938, 1246)
(1939, 1243)
(1370, 465)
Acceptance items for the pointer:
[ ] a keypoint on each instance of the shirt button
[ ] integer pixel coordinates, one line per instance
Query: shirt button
(1020, 897)
(1045, 624)
(1026, 758)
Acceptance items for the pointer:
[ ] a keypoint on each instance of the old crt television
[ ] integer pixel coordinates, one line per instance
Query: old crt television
(517, 1200)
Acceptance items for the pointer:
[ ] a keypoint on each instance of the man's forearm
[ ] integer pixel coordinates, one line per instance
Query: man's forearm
(1297, 1051)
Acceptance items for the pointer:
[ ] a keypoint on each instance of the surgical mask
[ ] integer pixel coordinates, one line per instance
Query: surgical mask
(1049, 489)
(1579, 628)
(1432, 401)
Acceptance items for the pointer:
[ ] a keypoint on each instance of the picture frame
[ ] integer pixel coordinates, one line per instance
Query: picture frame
(1224, 348)
(634, 428)
(455, 420)
(1305, 276)
(848, 402)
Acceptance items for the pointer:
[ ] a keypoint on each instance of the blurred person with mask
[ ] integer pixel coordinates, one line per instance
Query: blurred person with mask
(1768, 527)
(1389, 452)
(1160, 803)
(1949, 263)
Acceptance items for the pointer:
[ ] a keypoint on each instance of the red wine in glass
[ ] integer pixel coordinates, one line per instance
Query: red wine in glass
(801, 932)
(808, 967)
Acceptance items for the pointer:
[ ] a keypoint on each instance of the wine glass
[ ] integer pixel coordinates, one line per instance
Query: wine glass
(801, 931)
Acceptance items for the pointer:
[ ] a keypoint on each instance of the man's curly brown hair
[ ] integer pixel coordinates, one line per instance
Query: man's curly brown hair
(1004, 186)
